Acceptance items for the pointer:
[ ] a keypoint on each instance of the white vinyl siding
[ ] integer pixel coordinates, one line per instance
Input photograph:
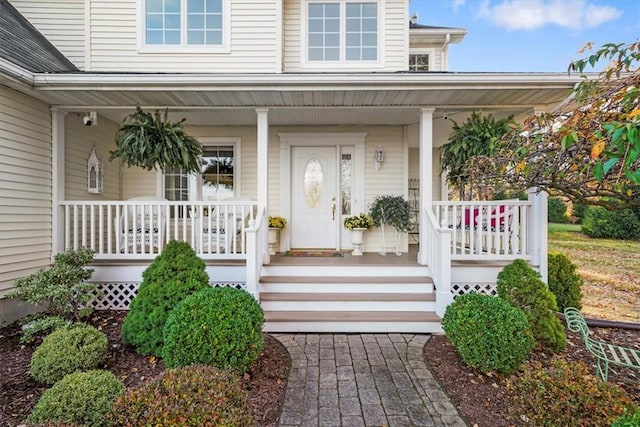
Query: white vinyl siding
(25, 186)
(79, 140)
(392, 49)
(252, 47)
(61, 22)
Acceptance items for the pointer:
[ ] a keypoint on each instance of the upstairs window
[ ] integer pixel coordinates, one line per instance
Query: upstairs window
(197, 23)
(419, 63)
(342, 31)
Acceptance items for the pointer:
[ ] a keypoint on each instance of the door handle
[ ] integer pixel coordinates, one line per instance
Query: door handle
(333, 209)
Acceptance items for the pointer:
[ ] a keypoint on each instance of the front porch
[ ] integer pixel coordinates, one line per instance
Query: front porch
(372, 293)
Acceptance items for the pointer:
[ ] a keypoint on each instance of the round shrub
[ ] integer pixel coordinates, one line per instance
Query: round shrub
(564, 282)
(190, 396)
(601, 223)
(520, 286)
(221, 327)
(556, 210)
(78, 348)
(565, 394)
(84, 398)
(488, 333)
(175, 274)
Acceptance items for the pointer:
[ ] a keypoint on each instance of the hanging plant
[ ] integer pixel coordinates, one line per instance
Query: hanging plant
(151, 141)
(392, 210)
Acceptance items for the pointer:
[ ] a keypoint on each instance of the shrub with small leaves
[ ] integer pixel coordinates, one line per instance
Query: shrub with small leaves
(221, 327)
(564, 282)
(556, 210)
(520, 286)
(38, 326)
(488, 333)
(78, 348)
(175, 274)
(84, 398)
(191, 396)
(565, 394)
(629, 419)
(62, 287)
(599, 222)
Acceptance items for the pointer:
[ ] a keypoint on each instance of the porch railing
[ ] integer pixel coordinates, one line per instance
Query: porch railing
(438, 258)
(139, 229)
(490, 230)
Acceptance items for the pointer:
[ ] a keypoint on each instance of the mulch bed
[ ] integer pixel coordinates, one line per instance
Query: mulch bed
(265, 381)
(481, 399)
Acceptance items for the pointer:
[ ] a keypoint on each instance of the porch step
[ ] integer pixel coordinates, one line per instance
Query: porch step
(372, 302)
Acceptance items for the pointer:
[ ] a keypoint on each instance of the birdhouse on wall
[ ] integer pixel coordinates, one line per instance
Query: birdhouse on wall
(95, 173)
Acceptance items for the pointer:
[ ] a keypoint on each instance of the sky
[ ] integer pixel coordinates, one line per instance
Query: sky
(528, 35)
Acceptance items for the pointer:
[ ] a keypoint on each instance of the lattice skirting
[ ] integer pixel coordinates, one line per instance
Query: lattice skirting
(118, 295)
(481, 288)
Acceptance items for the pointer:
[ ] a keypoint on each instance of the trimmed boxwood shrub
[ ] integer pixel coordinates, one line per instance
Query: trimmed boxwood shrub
(85, 398)
(221, 327)
(520, 286)
(175, 274)
(565, 394)
(488, 333)
(190, 396)
(621, 224)
(556, 210)
(78, 348)
(564, 282)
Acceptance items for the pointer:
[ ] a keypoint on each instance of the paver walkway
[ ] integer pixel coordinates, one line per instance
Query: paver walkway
(362, 380)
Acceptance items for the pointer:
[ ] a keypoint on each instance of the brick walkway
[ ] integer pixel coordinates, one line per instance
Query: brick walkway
(362, 380)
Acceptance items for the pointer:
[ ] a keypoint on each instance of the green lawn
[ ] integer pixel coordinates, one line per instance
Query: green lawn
(610, 269)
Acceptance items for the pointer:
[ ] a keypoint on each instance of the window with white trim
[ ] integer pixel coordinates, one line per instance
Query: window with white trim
(217, 181)
(198, 23)
(419, 62)
(342, 31)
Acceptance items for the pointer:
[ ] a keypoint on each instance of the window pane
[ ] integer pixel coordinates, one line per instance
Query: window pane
(369, 10)
(353, 39)
(315, 54)
(154, 6)
(332, 40)
(172, 37)
(370, 25)
(353, 54)
(154, 22)
(172, 6)
(214, 6)
(346, 166)
(353, 25)
(154, 37)
(316, 40)
(316, 10)
(218, 168)
(172, 22)
(313, 183)
(369, 54)
(332, 54)
(353, 9)
(195, 37)
(214, 22)
(195, 22)
(214, 37)
(332, 25)
(332, 10)
(369, 40)
(195, 6)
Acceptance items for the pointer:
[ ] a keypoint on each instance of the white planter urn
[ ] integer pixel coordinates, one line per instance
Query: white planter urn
(274, 237)
(357, 236)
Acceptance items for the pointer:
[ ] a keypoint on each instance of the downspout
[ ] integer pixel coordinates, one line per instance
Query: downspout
(445, 52)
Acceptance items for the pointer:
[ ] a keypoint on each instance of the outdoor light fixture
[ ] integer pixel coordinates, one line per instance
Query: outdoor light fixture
(95, 173)
(379, 157)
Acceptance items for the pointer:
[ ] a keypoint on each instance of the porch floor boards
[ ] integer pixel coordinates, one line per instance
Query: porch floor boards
(368, 258)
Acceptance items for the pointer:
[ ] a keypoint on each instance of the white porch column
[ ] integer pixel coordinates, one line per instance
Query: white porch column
(57, 180)
(426, 186)
(263, 157)
(538, 232)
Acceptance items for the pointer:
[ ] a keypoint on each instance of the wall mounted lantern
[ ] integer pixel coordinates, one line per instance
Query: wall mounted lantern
(378, 157)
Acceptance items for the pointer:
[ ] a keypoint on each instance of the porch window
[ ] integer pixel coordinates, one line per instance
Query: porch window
(342, 31)
(216, 182)
(184, 22)
(419, 62)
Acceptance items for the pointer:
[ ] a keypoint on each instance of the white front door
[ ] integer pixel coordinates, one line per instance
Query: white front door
(314, 193)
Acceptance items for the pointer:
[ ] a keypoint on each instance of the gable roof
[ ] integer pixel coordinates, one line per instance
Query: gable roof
(23, 45)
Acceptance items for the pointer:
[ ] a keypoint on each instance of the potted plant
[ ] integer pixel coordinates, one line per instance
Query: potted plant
(358, 224)
(276, 223)
(392, 210)
(151, 141)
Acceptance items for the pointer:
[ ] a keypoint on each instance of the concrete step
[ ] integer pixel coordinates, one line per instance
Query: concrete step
(346, 270)
(352, 321)
(332, 284)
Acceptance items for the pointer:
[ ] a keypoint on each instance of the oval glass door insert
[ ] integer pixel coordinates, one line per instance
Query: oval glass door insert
(313, 183)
